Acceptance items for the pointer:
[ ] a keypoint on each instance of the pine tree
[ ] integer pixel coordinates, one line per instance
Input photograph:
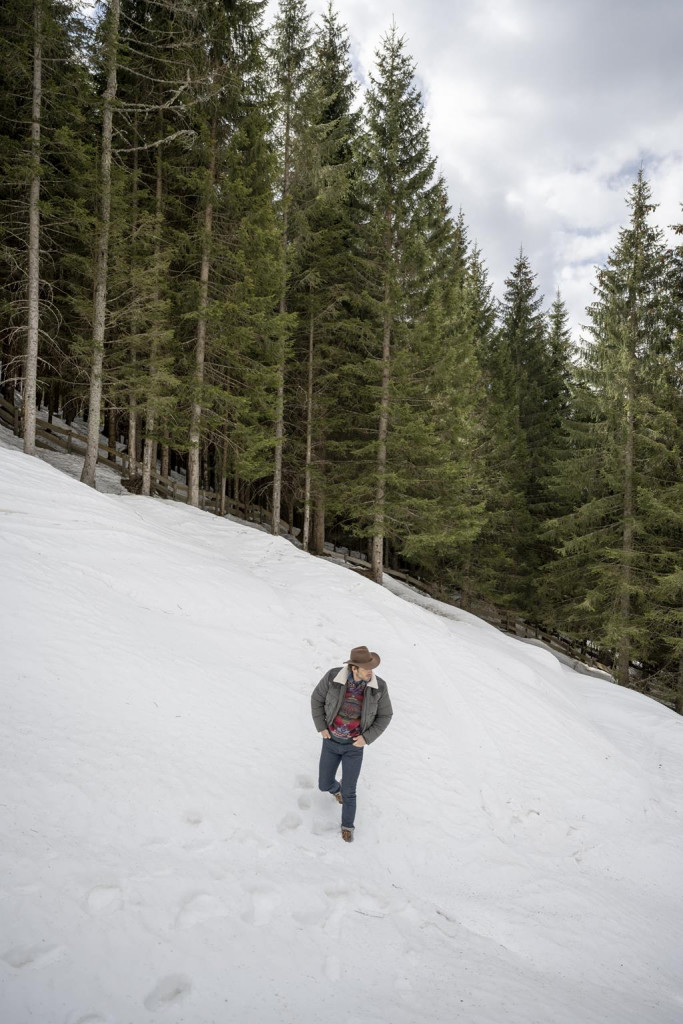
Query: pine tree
(110, 60)
(146, 43)
(623, 442)
(159, 77)
(559, 491)
(401, 195)
(245, 326)
(290, 53)
(46, 184)
(442, 540)
(31, 362)
(323, 257)
(663, 499)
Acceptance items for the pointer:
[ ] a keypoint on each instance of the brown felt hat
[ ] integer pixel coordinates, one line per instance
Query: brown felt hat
(364, 658)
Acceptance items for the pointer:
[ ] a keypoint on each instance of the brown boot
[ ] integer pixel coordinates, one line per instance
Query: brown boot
(347, 835)
(338, 797)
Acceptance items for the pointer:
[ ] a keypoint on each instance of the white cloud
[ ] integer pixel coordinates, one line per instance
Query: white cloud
(541, 113)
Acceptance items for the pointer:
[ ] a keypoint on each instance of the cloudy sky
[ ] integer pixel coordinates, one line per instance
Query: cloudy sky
(541, 113)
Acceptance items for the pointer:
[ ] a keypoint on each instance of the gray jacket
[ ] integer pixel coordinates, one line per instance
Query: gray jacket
(328, 695)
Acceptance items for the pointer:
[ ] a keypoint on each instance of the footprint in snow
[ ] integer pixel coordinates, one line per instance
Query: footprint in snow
(304, 782)
(170, 989)
(263, 904)
(197, 909)
(310, 913)
(290, 821)
(336, 891)
(304, 801)
(104, 897)
(41, 955)
(193, 818)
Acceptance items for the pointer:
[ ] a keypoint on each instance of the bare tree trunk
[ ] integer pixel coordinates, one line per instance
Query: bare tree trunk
(280, 401)
(466, 590)
(111, 433)
(200, 349)
(224, 476)
(309, 439)
(165, 459)
(100, 302)
(133, 409)
(149, 455)
(377, 555)
(132, 436)
(318, 537)
(279, 435)
(31, 364)
(150, 441)
(624, 648)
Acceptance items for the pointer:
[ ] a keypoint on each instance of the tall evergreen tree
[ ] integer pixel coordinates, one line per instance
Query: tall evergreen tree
(110, 56)
(443, 539)
(159, 77)
(290, 60)
(45, 185)
(401, 196)
(559, 491)
(623, 443)
(323, 257)
(664, 497)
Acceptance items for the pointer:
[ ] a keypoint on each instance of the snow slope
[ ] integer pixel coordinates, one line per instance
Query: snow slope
(165, 853)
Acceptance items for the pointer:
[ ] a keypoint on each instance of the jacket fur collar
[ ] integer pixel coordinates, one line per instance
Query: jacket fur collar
(343, 673)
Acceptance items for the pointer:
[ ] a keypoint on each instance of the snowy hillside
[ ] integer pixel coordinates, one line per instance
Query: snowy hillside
(165, 853)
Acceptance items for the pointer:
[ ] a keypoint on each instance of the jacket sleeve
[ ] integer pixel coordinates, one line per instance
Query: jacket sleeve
(382, 719)
(318, 702)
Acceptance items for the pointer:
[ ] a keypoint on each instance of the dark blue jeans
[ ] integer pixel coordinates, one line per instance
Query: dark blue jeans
(351, 759)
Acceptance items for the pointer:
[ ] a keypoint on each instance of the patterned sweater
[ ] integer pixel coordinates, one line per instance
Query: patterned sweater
(346, 725)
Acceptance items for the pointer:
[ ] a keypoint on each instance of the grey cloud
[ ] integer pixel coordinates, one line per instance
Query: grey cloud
(541, 112)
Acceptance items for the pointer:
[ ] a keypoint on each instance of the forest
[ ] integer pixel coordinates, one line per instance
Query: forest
(242, 267)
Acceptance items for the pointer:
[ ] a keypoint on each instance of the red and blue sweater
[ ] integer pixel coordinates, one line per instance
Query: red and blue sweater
(346, 725)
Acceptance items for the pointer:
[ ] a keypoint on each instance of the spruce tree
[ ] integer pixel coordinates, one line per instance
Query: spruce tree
(663, 499)
(110, 56)
(159, 77)
(396, 450)
(623, 448)
(324, 255)
(45, 187)
(441, 540)
(245, 326)
(558, 489)
(290, 63)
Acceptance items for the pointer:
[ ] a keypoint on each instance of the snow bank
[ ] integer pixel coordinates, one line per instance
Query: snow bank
(167, 855)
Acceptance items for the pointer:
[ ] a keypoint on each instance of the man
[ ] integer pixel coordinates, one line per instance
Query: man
(351, 708)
